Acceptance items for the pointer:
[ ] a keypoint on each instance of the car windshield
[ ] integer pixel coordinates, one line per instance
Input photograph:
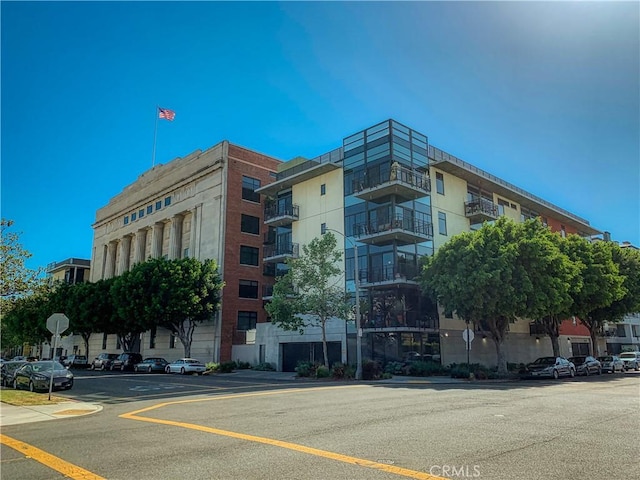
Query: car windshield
(605, 359)
(628, 355)
(46, 366)
(545, 361)
(578, 360)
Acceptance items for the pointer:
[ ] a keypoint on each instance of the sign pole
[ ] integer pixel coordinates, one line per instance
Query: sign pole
(56, 324)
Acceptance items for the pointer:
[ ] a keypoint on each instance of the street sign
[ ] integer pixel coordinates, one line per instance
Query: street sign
(468, 335)
(57, 323)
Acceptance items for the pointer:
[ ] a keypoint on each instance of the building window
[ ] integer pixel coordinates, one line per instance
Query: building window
(152, 338)
(118, 346)
(620, 331)
(249, 255)
(563, 231)
(158, 205)
(323, 189)
(185, 253)
(172, 340)
(442, 223)
(247, 320)
(248, 289)
(249, 187)
(104, 341)
(440, 183)
(133, 217)
(250, 224)
(149, 209)
(126, 220)
(636, 330)
(167, 201)
(141, 213)
(323, 228)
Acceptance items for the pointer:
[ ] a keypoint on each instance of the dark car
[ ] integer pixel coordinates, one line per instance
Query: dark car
(103, 361)
(36, 376)
(8, 369)
(553, 367)
(586, 365)
(151, 364)
(126, 361)
(611, 364)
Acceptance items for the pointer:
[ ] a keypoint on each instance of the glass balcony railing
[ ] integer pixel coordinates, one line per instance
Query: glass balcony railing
(276, 215)
(405, 183)
(404, 229)
(280, 252)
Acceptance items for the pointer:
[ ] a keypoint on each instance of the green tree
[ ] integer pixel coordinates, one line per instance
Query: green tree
(15, 278)
(174, 294)
(602, 284)
(311, 292)
(25, 321)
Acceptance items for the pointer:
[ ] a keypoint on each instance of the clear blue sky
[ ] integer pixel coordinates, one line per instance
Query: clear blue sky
(543, 95)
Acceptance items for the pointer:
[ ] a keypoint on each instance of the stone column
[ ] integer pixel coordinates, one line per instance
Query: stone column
(195, 228)
(156, 240)
(175, 239)
(111, 260)
(125, 254)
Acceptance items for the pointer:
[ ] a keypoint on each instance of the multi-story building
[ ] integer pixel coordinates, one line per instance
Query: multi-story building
(202, 206)
(71, 270)
(397, 198)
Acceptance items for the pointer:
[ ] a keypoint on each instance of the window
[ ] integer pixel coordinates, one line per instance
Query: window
(126, 220)
(620, 331)
(249, 187)
(104, 341)
(250, 224)
(167, 201)
(185, 253)
(636, 330)
(440, 183)
(172, 340)
(152, 338)
(158, 205)
(149, 209)
(323, 189)
(141, 213)
(247, 320)
(249, 255)
(323, 228)
(442, 223)
(248, 289)
(133, 217)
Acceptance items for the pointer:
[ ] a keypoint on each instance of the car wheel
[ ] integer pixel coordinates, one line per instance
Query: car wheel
(111, 367)
(167, 370)
(149, 369)
(572, 372)
(122, 367)
(32, 387)
(588, 371)
(637, 367)
(555, 375)
(599, 371)
(135, 368)
(182, 371)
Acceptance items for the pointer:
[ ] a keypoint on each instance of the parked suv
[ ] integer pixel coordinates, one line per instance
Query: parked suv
(103, 361)
(126, 361)
(630, 360)
(76, 361)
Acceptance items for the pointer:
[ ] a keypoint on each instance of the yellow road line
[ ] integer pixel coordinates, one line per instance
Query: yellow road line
(277, 443)
(67, 469)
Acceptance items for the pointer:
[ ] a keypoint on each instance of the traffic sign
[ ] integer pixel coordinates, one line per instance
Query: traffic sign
(468, 335)
(57, 323)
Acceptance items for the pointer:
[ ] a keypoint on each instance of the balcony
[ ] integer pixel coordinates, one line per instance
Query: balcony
(389, 275)
(276, 215)
(401, 229)
(480, 210)
(403, 183)
(408, 322)
(279, 253)
(267, 292)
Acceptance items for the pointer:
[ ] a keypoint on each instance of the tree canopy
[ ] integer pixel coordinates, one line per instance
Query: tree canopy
(15, 277)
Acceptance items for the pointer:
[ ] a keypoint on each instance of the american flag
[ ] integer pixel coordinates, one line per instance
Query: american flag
(166, 114)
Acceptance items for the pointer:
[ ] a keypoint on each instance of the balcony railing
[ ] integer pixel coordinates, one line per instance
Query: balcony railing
(480, 210)
(402, 228)
(394, 321)
(267, 291)
(276, 215)
(275, 253)
(405, 183)
(389, 275)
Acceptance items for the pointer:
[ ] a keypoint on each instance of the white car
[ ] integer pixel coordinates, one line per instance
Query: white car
(630, 360)
(186, 365)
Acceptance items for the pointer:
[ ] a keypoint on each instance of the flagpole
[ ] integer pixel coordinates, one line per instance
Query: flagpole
(155, 135)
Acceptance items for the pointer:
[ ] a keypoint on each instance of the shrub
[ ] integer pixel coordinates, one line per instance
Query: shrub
(386, 376)
(459, 371)
(395, 368)
(322, 372)
(340, 371)
(264, 367)
(306, 369)
(243, 365)
(227, 367)
(212, 366)
(371, 370)
(426, 369)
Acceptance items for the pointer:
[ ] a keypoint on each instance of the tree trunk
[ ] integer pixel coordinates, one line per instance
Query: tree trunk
(85, 338)
(595, 349)
(555, 345)
(325, 351)
(501, 358)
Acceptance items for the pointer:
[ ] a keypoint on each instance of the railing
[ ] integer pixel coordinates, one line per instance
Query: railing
(402, 222)
(291, 249)
(267, 291)
(408, 319)
(395, 174)
(481, 206)
(334, 156)
(275, 211)
(390, 273)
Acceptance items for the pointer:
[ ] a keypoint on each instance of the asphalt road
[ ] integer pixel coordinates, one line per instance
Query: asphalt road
(226, 427)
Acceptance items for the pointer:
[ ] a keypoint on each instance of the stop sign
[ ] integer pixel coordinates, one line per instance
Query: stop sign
(57, 323)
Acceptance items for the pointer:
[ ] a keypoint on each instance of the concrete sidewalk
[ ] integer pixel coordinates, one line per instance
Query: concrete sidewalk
(13, 415)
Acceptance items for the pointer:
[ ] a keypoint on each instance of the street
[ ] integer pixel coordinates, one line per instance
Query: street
(235, 427)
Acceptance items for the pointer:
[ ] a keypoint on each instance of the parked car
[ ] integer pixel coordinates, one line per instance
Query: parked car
(553, 367)
(630, 360)
(75, 361)
(36, 376)
(126, 361)
(186, 365)
(103, 361)
(151, 364)
(19, 358)
(586, 365)
(611, 364)
(7, 370)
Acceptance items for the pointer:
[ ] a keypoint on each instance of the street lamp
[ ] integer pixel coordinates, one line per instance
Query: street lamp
(358, 326)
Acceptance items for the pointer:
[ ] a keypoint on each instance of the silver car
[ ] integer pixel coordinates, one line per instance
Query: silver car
(186, 365)
(552, 367)
(611, 364)
(630, 360)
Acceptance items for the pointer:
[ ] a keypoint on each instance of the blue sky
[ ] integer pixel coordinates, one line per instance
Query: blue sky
(543, 95)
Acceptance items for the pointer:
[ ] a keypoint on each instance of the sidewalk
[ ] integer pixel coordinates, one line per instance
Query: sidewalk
(13, 415)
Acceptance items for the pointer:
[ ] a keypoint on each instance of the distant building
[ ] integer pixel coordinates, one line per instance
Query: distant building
(71, 271)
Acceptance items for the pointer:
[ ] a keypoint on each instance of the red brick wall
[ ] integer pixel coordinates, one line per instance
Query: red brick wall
(568, 328)
(254, 165)
(556, 226)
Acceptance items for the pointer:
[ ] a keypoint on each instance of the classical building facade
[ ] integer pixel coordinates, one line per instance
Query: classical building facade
(203, 206)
